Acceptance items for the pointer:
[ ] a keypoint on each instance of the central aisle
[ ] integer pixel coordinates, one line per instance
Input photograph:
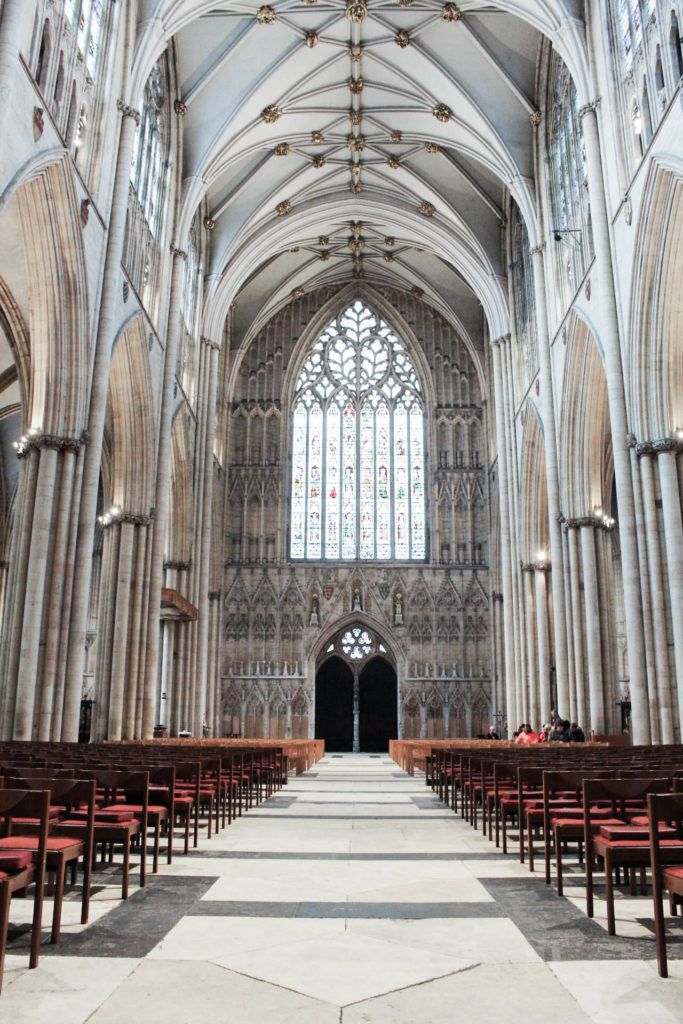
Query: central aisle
(352, 895)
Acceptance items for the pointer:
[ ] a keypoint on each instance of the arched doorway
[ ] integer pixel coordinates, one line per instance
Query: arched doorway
(378, 715)
(334, 704)
(356, 693)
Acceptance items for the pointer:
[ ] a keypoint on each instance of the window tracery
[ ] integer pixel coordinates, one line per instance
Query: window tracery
(358, 446)
(568, 179)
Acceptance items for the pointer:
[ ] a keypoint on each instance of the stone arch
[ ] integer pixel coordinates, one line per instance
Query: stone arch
(130, 430)
(533, 486)
(40, 210)
(656, 336)
(585, 435)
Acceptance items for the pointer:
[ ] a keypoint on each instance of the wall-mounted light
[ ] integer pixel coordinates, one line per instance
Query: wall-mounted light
(112, 516)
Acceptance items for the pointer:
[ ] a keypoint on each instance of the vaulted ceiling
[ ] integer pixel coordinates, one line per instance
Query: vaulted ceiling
(372, 138)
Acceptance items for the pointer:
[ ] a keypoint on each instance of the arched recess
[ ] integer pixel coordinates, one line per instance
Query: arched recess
(656, 335)
(533, 485)
(42, 264)
(585, 436)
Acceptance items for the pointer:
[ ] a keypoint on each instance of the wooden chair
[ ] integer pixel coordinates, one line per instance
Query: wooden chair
(614, 845)
(19, 869)
(664, 808)
(74, 796)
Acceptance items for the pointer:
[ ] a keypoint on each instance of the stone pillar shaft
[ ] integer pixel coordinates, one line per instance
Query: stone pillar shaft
(99, 389)
(673, 536)
(618, 421)
(592, 626)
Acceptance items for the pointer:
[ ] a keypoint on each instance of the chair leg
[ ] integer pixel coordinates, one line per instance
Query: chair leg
(558, 861)
(5, 897)
(59, 896)
(126, 867)
(609, 895)
(157, 840)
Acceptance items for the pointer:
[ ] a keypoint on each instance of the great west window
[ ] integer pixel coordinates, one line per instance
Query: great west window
(358, 437)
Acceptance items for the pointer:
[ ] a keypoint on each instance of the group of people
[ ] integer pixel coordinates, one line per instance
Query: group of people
(557, 730)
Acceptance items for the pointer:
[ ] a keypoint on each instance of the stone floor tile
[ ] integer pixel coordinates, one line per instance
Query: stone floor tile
(623, 992)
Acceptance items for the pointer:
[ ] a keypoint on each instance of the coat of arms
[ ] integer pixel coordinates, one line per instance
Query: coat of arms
(383, 591)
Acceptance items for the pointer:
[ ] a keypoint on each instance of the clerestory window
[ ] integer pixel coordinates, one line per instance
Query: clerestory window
(358, 446)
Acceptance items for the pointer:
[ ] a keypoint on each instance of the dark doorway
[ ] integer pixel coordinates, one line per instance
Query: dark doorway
(334, 705)
(378, 706)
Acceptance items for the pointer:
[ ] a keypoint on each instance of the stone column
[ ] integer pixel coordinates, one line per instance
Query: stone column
(660, 697)
(619, 425)
(542, 641)
(577, 620)
(651, 635)
(552, 479)
(27, 672)
(500, 654)
(673, 536)
(104, 344)
(592, 626)
(119, 651)
(12, 19)
(162, 491)
(505, 554)
(530, 706)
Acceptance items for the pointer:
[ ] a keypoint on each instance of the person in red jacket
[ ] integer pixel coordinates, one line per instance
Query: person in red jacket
(527, 735)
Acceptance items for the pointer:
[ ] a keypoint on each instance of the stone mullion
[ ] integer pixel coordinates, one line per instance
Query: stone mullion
(123, 574)
(552, 476)
(656, 653)
(570, 707)
(161, 498)
(34, 595)
(619, 425)
(13, 612)
(143, 631)
(104, 343)
(673, 538)
(203, 677)
(140, 550)
(592, 628)
(577, 621)
(517, 601)
(530, 692)
(56, 592)
(543, 644)
(105, 629)
(505, 552)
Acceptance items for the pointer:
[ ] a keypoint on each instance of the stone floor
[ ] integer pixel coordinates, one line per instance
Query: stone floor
(351, 896)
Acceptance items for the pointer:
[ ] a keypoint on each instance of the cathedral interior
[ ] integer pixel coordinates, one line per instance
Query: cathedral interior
(341, 435)
(309, 326)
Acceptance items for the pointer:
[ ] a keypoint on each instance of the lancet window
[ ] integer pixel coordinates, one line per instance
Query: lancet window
(358, 446)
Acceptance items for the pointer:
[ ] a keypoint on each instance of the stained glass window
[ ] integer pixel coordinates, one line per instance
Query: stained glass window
(358, 472)
(356, 643)
(86, 16)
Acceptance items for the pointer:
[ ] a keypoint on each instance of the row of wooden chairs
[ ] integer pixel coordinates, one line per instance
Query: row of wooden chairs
(62, 805)
(620, 807)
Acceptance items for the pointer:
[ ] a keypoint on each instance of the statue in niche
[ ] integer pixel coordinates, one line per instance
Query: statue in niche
(356, 599)
(314, 617)
(398, 608)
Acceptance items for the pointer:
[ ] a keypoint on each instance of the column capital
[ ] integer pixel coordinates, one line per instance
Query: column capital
(214, 595)
(537, 250)
(180, 108)
(127, 111)
(495, 342)
(179, 566)
(35, 441)
(589, 108)
(660, 446)
(116, 517)
(577, 522)
(496, 596)
(529, 567)
(210, 343)
(178, 252)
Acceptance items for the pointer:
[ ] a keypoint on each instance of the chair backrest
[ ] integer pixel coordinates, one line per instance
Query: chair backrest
(24, 803)
(661, 807)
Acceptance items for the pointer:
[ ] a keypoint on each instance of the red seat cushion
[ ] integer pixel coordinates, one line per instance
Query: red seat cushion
(54, 843)
(674, 873)
(110, 815)
(634, 832)
(17, 861)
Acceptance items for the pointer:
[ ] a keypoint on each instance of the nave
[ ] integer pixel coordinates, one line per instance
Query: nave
(351, 895)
